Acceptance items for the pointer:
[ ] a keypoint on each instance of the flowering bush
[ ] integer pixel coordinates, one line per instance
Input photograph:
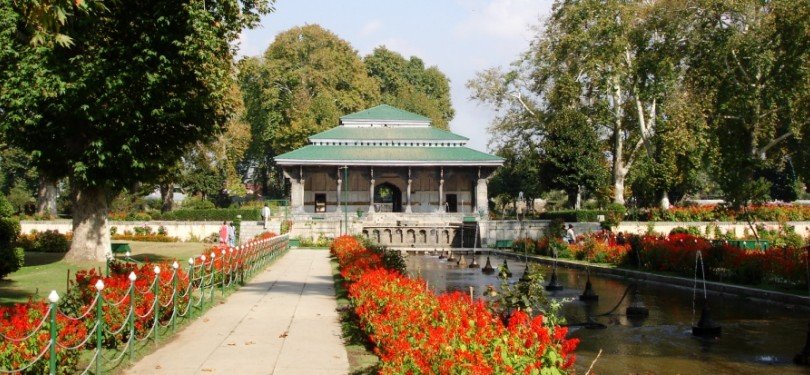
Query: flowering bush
(49, 241)
(415, 331)
(770, 212)
(24, 338)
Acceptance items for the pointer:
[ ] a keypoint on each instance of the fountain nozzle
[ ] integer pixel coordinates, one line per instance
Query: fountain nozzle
(706, 327)
(488, 270)
(461, 261)
(588, 294)
(553, 284)
(803, 358)
(506, 270)
(637, 308)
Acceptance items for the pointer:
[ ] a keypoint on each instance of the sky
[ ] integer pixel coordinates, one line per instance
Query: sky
(460, 37)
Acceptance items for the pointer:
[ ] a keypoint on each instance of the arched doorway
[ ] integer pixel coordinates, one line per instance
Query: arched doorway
(387, 198)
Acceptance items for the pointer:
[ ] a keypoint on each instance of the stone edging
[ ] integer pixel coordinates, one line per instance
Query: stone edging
(791, 300)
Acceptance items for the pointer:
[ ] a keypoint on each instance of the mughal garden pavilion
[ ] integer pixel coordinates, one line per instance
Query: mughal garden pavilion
(385, 159)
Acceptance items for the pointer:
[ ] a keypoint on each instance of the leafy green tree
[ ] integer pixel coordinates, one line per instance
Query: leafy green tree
(309, 77)
(680, 157)
(749, 66)
(138, 85)
(407, 84)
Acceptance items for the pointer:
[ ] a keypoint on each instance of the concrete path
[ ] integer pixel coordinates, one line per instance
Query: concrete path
(282, 322)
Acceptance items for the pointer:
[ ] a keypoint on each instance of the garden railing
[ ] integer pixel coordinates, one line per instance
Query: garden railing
(147, 312)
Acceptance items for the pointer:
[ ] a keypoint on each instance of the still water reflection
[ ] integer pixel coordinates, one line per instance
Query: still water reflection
(758, 338)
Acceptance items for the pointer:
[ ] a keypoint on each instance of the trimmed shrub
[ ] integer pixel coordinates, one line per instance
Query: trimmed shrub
(222, 214)
(9, 230)
(11, 259)
(49, 241)
(573, 215)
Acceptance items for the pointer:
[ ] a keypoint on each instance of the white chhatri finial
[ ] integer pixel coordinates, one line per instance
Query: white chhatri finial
(176, 265)
(132, 276)
(99, 285)
(157, 270)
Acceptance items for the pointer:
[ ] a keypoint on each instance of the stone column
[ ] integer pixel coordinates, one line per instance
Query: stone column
(408, 193)
(441, 190)
(371, 193)
(296, 191)
(481, 197)
(339, 191)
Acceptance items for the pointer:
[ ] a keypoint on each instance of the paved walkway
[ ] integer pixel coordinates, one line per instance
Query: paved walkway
(282, 322)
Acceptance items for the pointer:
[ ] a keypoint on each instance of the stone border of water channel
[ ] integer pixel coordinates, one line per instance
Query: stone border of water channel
(769, 296)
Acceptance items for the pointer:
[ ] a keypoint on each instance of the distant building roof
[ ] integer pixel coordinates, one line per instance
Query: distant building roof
(385, 112)
(384, 135)
(387, 133)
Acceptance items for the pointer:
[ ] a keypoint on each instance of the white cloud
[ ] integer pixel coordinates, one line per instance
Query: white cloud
(507, 19)
(371, 27)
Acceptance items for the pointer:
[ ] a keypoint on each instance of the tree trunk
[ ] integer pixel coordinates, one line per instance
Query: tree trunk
(167, 197)
(619, 171)
(91, 238)
(46, 197)
(618, 186)
(665, 201)
(575, 198)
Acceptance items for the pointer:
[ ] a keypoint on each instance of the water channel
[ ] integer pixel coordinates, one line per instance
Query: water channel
(757, 337)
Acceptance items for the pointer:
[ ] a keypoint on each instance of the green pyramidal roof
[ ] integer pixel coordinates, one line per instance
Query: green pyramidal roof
(388, 156)
(388, 133)
(385, 112)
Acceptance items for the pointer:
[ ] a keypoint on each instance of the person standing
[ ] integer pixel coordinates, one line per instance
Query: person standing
(265, 215)
(232, 235)
(223, 233)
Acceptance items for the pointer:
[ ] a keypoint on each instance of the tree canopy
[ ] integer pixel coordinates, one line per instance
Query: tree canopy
(309, 77)
(138, 84)
(678, 94)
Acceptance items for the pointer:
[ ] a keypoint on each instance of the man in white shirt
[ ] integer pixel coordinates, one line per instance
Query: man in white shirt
(265, 215)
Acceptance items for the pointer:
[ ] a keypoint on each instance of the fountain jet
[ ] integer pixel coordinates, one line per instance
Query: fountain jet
(474, 263)
(705, 327)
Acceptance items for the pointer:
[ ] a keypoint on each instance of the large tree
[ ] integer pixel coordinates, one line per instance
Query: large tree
(749, 67)
(309, 77)
(139, 83)
(409, 85)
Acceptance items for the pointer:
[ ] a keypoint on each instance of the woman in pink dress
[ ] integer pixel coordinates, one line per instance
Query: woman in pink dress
(223, 233)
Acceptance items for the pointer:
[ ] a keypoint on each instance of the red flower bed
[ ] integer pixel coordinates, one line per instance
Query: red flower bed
(25, 331)
(415, 331)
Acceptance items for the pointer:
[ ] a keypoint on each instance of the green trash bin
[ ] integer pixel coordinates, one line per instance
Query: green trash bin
(120, 248)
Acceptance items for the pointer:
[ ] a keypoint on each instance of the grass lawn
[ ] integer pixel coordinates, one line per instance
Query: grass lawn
(44, 272)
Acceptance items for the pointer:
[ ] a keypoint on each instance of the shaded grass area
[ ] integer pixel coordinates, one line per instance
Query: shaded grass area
(362, 360)
(44, 272)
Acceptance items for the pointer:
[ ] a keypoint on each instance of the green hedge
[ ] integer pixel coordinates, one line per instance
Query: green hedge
(11, 258)
(573, 215)
(221, 214)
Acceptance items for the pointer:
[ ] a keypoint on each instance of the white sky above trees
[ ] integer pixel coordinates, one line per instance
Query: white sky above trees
(461, 37)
